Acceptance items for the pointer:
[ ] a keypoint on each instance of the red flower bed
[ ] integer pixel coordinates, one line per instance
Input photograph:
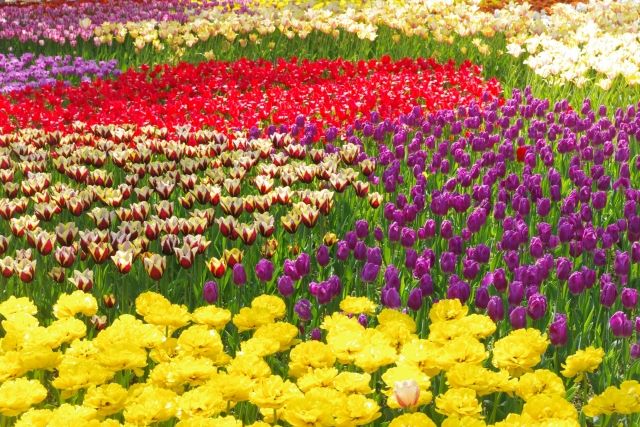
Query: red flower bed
(242, 94)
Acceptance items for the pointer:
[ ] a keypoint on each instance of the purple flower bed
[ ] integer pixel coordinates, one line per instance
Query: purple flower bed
(66, 22)
(29, 70)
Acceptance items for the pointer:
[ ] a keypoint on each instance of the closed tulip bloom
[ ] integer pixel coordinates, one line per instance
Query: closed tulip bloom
(322, 255)
(415, 299)
(600, 257)
(558, 330)
(316, 334)
(407, 393)
(518, 317)
(408, 237)
(516, 292)
(264, 270)
(576, 283)
(500, 280)
(289, 269)
(390, 297)
(635, 252)
(410, 258)
(621, 325)
(448, 262)
(360, 251)
(303, 264)
(378, 234)
(285, 286)
(342, 253)
(621, 264)
(351, 238)
(543, 206)
(303, 309)
(536, 247)
(563, 268)
(482, 297)
(629, 298)
(446, 229)
(599, 200)
(482, 253)
(426, 284)
(495, 308)
(239, 275)
(369, 272)
(394, 232)
(634, 351)
(536, 306)
(470, 269)
(210, 292)
(362, 228)
(374, 255)
(608, 294)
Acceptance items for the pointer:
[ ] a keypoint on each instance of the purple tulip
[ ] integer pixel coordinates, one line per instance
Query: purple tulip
(322, 255)
(303, 264)
(563, 268)
(536, 306)
(634, 351)
(482, 297)
(378, 234)
(369, 272)
(495, 308)
(362, 228)
(285, 286)
(629, 298)
(415, 299)
(622, 264)
(576, 283)
(264, 270)
(518, 317)
(426, 285)
(303, 309)
(210, 292)
(289, 269)
(374, 255)
(363, 320)
(558, 330)
(360, 251)
(500, 280)
(608, 294)
(408, 237)
(390, 297)
(448, 262)
(516, 292)
(316, 334)
(342, 253)
(239, 274)
(621, 325)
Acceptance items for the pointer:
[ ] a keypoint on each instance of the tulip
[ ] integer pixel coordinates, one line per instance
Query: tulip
(406, 393)
(620, 325)
(608, 294)
(285, 286)
(558, 330)
(518, 317)
(239, 275)
(82, 280)
(155, 265)
(362, 228)
(264, 270)
(109, 300)
(342, 253)
(482, 297)
(303, 309)
(629, 298)
(415, 299)
(210, 292)
(634, 351)
(316, 334)
(369, 272)
(621, 263)
(576, 283)
(322, 256)
(390, 297)
(536, 306)
(495, 308)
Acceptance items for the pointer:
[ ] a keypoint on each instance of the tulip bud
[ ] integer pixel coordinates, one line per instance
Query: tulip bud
(518, 317)
(620, 325)
(407, 393)
(210, 292)
(495, 308)
(109, 300)
(239, 275)
(303, 309)
(415, 299)
(558, 330)
(629, 297)
(264, 270)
